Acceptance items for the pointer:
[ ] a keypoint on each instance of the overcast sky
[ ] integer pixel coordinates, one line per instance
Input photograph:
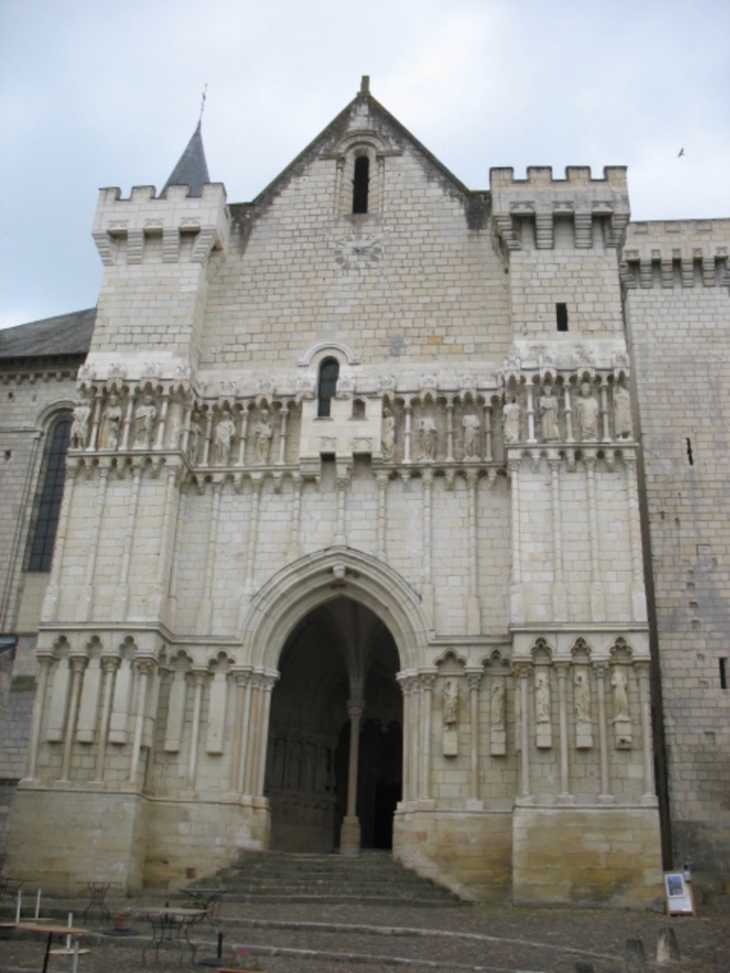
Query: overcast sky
(107, 93)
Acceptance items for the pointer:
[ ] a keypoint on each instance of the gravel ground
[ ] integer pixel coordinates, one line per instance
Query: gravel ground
(349, 939)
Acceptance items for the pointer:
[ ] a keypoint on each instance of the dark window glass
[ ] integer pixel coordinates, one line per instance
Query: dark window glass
(561, 316)
(48, 503)
(360, 185)
(328, 372)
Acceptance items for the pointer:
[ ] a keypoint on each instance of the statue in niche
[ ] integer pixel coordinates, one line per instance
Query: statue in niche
(194, 440)
(451, 702)
(549, 413)
(582, 695)
(279, 761)
(587, 414)
(262, 438)
(511, 420)
(224, 431)
(387, 435)
(498, 702)
(112, 424)
(427, 438)
(295, 764)
(80, 426)
(470, 425)
(144, 421)
(623, 425)
(620, 696)
(173, 438)
(542, 696)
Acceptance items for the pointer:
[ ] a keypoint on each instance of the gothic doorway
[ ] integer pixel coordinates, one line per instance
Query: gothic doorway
(337, 671)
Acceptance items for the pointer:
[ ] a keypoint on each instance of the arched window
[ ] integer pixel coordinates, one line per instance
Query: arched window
(328, 373)
(48, 501)
(360, 185)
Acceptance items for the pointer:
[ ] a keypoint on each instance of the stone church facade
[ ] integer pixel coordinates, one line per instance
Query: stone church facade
(393, 516)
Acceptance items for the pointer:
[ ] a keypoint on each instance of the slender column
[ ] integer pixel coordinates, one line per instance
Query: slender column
(144, 668)
(488, 450)
(428, 680)
(638, 593)
(96, 419)
(404, 681)
(517, 609)
(642, 670)
(350, 831)
(266, 686)
(283, 413)
(243, 761)
(45, 659)
(340, 538)
(187, 417)
(86, 607)
(122, 594)
(407, 434)
(109, 666)
(243, 435)
(162, 567)
(127, 424)
(208, 437)
(474, 678)
(199, 677)
(449, 430)
(160, 440)
(240, 680)
(296, 518)
(598, 609)
(559, 593)
(250, 750)
(474, 611)
(604, 414)
(205, 609)
(530, 414)
(253, 530)
(568, 416)
(605, 797)
(382, 481)
(564, 797)
(524, 670)
(78, 662)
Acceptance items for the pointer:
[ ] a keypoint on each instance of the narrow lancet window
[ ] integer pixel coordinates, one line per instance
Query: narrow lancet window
(48, 503)
(360, 185)
(328, 373)
(561, 316)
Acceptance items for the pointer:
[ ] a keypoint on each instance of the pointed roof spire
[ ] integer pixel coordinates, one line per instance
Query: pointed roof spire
(191, 169)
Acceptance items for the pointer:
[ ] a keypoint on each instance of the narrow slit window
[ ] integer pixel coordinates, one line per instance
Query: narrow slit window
(328, 374)
(561, 316)
(360, 185)
(48, 503)
(723, 673)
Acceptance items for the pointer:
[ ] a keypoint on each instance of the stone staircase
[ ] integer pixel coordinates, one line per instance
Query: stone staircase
(372, 878)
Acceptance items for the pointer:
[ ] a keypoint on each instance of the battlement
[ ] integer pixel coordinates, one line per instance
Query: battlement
(122, 225)
(525, 210)
(665, 252)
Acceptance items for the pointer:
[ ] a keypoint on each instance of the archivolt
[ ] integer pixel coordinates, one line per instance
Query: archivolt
(311, 581)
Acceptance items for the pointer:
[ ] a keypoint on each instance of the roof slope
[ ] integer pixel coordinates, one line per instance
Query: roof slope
(192, 168)
(64, 335)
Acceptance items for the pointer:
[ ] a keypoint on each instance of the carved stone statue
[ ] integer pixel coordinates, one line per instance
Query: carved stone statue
(112, 424)
(542, 696)
(224, 431)
(620, 697)
(387, 435)
(582, 695)
(80, 426)
(427, 437)
(622, 413)
(144, 417)
(451, 702)
(194, 440)
(587, 414)
(549, 413)
(511, 421)
(262, 438)
(498, 701)
(470, 425)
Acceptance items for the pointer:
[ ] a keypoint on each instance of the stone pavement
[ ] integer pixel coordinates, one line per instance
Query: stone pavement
(301, 938)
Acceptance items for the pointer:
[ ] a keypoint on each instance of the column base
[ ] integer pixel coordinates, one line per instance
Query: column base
(350, 836)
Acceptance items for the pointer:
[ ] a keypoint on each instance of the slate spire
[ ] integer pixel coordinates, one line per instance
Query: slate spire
(191, 169)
